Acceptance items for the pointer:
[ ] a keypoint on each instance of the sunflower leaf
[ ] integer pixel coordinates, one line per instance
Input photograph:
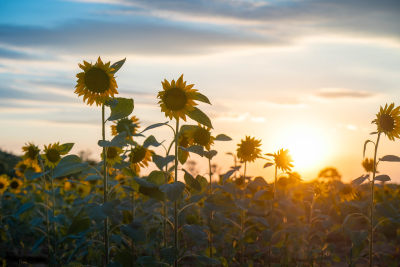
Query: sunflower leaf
(161, 162)
(121, 109)
(382, 178)
(210, 154)
(268, 164)
(173, 190)
(191, 182)
(151, 141)
(391, 158)
(65, 148)
(199, 150)
(365, 146)
(359, 180)
(156, 125)
(117, 65)
(69, 165)
(199, 116)
(201, 97)
(222, 137)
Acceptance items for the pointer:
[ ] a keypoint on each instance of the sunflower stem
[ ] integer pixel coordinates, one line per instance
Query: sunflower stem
(276, 178)
(211, 213)
(133, 219)
(242, 217)
(105, 187)
(53, 215)
(175, 202)
(371, 226)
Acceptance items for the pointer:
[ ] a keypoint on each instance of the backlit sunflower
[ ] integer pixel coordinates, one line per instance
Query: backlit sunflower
(201, 136)
(388, 121)
(139, 157)
(15, 185)
(184, 140)
(129, 126)
(176, 98)
(347, 192)
(3, 183)
(248, 150)
(368, 164)
(283, 160)
(112, 155)
(31, 153)
(96, 83)
(52, 154)
(23, 166)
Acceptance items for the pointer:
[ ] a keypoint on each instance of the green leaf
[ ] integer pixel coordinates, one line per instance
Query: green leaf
(365, 146)
(24, 208)
(123, 108)
(199, 150)
(201, 97)
(198, 115)
(93, 177)
(79, 224)
(161, 162)
(382, 178)
(118, 141)
(156, 177)
(149, 189)
(69, 165)
(210, 154)
(222, 137)
(173, 190)
(268, 164)
(156, 125)
(31, 175)
(191, 182)
(359, 180)
(117, 65)
(135, 231)
(95, 212)
(391, 158)
(65, 148)
(151, 141)
(37, 244)
(229, 173)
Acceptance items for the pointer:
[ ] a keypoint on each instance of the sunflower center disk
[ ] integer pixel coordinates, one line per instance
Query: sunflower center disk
(97, 80)
(387, 123)
(201, 137)
(111, 153)
(32, 152)
(53, 155)
(14, 184)
(137, 155)
(123, 125)
(247, 149)
(175, 99)
(1, 185)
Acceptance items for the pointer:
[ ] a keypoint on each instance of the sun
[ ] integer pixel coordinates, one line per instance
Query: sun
(307, 144)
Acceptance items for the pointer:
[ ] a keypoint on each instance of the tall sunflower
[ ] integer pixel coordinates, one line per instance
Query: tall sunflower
(52, 154)
(31, 153)
(388, 121)
(129, 126)
(368, 164)
(15, 185)
(139, 157)
(177, 98)
(248, 150)
(283, 160)
(96, 83)
(112, 155)
(201, 136)
(3, 183)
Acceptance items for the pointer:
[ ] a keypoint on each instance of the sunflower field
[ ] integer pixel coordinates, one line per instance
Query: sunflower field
(58, 209)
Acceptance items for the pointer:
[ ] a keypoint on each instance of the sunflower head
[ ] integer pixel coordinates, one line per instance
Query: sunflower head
(126, 125)
(31, 152)
(15, 185)
(139, 157)
(96, 83)
(52, 154)
(248, 150)
(3, 183)
(283, 160)
(184, 140)
(388, 121)
(368, 164)
(347, 192)
(177, 98)
(201, 136)
(83, 188)
(112, 155)
(23, 166)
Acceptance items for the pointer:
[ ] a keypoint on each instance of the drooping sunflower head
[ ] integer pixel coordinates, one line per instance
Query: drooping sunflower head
(201, 136)
(31, 152)
(388, 121)
(15, 185)
(126, 125)
(96, 83)
(248, 150)
(139, 157)
(184, 140)
(52, 154)
(347, 192)
(112, 155)
(3, 183)
(368, 164)
(176, 98)
(23, 166)
(283, 160)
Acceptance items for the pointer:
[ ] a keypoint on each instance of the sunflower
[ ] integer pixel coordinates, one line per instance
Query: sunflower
(121, 178)
(15, 185)
(31, 153)
(23, 166)
(283, 160)
(347, 192)
(248, 149)
(112, 155)
(177, 98)
(201, 136)
(83, 188)
(129, 126)
(96, 83)
(184, 140)
(52, 154)
(139, 157)
(3, 183)
(388, 121)
(368, 164)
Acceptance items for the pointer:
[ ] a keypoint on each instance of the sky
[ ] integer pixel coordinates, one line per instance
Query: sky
(304, 75)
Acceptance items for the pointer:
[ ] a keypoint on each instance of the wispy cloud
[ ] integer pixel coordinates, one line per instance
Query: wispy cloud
(340, 93)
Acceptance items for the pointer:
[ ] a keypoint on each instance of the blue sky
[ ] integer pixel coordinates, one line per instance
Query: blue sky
(308, 75)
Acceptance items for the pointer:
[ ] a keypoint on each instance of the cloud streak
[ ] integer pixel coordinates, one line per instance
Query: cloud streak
(339, 93)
